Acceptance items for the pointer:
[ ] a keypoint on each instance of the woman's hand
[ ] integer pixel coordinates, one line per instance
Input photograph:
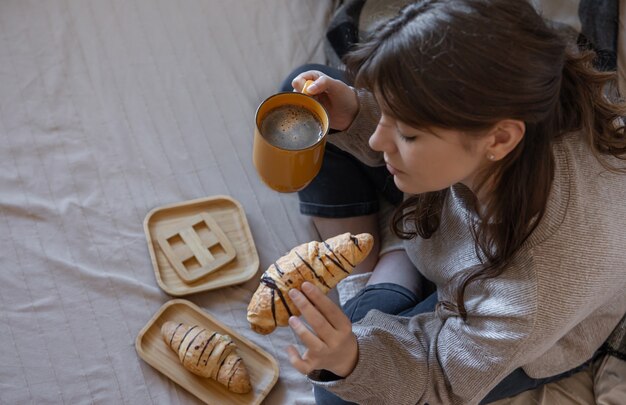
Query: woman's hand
(338, 98)
(333, 346)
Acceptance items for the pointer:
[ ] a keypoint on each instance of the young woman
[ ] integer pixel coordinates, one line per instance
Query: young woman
(511, 159)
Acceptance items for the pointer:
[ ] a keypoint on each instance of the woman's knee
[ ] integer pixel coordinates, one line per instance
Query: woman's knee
(385, 297)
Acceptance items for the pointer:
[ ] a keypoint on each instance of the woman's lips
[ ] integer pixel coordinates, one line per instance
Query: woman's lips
(393, 170)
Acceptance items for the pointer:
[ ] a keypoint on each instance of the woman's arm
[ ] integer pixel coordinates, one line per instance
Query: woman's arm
(355, 138)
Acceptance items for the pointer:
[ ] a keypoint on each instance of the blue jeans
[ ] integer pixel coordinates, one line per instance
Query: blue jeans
(394, 299)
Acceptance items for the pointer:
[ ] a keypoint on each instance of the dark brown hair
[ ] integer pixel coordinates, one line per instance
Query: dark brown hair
(465, 65)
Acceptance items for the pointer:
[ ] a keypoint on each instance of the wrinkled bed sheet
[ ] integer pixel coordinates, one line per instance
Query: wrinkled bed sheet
(109, 108)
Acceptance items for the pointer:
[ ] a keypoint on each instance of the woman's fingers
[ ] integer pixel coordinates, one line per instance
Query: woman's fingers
(320, 81)
(330, 347)
(298, 82)
(308, 338)
(326, 307)
(322, 327)
(298, 362)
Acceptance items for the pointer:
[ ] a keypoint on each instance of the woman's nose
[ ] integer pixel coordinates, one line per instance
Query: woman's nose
(380, 139)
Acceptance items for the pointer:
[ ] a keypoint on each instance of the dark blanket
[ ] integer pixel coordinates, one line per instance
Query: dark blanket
(599, 29)
(600, 22)
(616, 343)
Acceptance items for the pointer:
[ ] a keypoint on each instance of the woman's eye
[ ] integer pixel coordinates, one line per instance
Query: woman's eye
(407, 138)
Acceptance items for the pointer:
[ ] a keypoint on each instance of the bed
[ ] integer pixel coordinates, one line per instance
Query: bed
(108, 110)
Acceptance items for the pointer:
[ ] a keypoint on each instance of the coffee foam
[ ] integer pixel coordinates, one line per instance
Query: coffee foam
(291, 127)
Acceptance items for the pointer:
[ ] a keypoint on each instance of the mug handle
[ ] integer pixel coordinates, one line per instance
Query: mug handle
(306, 86)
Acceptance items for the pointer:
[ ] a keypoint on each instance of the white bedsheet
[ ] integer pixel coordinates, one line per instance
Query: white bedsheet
(109, 108)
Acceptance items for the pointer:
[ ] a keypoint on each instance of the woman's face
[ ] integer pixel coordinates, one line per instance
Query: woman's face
(424, 160)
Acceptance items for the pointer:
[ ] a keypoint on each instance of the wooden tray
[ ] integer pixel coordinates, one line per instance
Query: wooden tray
(197, 248)
(262, 367)
(229, 215)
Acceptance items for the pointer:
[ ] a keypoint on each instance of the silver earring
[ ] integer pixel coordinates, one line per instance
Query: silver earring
(491, 156)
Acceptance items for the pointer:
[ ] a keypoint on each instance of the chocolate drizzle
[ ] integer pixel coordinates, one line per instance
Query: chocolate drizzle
(186, 333)
(225, 353)
(278, 269)
(274, 306)
(320, 279)
(222, 363)
(268, 281)
(325, 266)
(336, 262)
(355, 240)
(347, 261)
(234, 368)
(172, 338)
(331, 251)
(295, 267)
(205, 346)
(190, 343)
(210, 353)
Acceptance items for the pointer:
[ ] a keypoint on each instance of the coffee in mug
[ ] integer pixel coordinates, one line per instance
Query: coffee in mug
(291, 127)
(289, 139)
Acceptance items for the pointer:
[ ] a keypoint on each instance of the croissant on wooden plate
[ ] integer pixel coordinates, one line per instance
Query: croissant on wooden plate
(321, 263)
(208, 354)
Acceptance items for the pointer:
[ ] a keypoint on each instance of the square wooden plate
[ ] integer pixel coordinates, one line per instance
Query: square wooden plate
(262, 367)
(230, 216)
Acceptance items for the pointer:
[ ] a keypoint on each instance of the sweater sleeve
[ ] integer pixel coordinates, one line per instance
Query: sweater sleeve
(437, 358)
(354, 140)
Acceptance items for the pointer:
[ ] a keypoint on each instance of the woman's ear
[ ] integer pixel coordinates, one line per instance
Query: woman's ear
(503, 138)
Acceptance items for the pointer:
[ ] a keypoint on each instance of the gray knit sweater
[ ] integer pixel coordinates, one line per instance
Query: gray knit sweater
(554, 305)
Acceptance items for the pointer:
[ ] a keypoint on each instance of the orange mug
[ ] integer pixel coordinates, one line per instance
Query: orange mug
(287, 164)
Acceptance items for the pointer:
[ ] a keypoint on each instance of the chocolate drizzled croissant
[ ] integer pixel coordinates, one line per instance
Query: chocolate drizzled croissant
(321, 263)
(208, 354)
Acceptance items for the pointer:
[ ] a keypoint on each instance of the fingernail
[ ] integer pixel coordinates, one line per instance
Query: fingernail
(307, 287)
(294, 321)
(312, 88)
(293, 293)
